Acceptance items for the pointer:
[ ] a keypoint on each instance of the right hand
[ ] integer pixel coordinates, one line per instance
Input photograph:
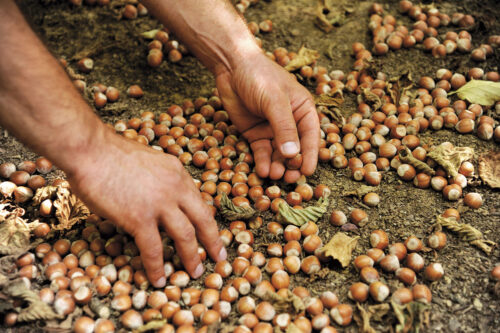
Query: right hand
(141, 189)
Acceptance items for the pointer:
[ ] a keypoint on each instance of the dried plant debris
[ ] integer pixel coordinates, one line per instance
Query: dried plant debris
(232, 212)
(406, 156)
(155, 324)
(366, 314)
(489, 168)
(412, 317)
(333, 98)
(298, 217)
(291, 304)
(327, 17)
(368, 97)
(399, 86)
(450, 158)
(479, 92)
(15, 234)
(292, 328)
(360, 191)
(69, 209)
(304, 57)
(467, 232)
(340, 248)
(36, 310)
(334, 113)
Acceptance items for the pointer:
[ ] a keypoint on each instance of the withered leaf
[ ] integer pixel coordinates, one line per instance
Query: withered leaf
(298, 217)
(467, 232)
(290, 304)
(406, 156)
(36, 310)
(340, 248)
(46, 192)
(367, 313)
(232, 212)
(69, 209)
(360, 191)
(304, 57)
(410, 316)
(14, 235)
(151, 325)
(292, 328)
(450, 158)
(489, 168)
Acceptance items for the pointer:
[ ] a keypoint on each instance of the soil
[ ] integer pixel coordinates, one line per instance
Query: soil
(463, 301)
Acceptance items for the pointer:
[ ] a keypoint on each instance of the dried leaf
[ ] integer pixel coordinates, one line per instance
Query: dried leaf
(340, 248)
(467, 232)
(406, 156)
(304, 57)
(152, 325)
(298, 217)
(360, 191)
(331, 99)
(36, 310)
(479, 92)
(489, 168)
(450, 158)
(150, 34)
(46, 192)
(410, 316)
(292, 328)
(69, 209)
(371, 98)
(14, 235)
(232, 212)
(290, 304)
(366, 314)
(321, 21)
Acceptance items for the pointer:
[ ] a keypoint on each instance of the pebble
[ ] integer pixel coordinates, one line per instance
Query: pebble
(477, 304)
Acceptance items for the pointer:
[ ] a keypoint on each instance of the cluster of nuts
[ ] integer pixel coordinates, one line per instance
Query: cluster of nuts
(391, 263)
(387, 36)
(164, 44)
(21, 181)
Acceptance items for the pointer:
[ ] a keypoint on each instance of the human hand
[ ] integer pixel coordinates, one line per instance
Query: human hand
(141, 189)
(272, 111)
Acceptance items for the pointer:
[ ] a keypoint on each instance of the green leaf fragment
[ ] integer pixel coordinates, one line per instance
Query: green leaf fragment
(150, 34)
(479, 92)
(298, 217)
(232, 212)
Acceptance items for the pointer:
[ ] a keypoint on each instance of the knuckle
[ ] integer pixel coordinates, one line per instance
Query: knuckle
(188, 235)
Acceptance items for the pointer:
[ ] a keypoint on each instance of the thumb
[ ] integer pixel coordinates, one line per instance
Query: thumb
(279, 113)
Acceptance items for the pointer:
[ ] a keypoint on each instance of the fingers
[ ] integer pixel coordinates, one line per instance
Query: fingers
(309, 131)
(278, 112)
(148, 241)
(177, 226)
(277, 167)
(262, 151)
(206, 228)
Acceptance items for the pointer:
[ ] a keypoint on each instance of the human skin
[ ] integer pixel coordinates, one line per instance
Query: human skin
(130, 183)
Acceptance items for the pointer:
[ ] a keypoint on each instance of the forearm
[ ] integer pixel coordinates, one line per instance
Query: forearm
(38, 103)
(212, 30)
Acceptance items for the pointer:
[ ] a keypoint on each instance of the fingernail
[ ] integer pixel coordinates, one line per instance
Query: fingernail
(222, 254)
(290, 148)
(198, 271)
(161, 282)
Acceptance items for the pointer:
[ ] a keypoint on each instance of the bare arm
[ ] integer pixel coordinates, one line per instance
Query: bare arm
(117, 178)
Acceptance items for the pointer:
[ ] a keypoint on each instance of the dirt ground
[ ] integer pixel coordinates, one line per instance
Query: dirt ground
(463, 301)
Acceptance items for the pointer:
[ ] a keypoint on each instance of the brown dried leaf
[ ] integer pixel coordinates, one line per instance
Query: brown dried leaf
(46, 192)
(304, 57)
(14, 235)
(36, 310)
(489, 168)
(340, 248)
(152, 325)
(360, 191)
(366, 314)
(69, 209)
(450, 158)
(290, 304)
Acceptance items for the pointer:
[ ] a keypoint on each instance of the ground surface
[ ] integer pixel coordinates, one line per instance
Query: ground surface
(463, 301)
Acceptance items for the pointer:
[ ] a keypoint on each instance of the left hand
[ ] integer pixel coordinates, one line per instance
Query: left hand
(274, 113)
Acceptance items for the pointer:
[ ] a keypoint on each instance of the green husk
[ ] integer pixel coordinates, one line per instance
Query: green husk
(150, 34)
(298, 217)
(451, 158)
(406, 156)
(479, 92)
(232, 212)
